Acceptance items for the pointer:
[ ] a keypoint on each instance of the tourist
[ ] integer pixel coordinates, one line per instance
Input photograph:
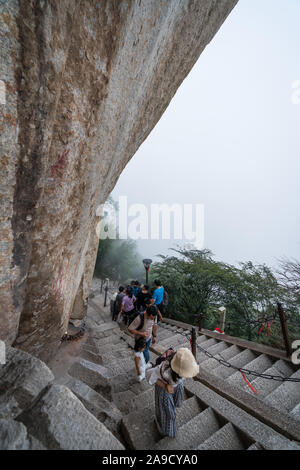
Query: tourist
(118, 302)
(145, 326)
(168, 379)
(139, 359)
(127, 308)
(148, 303)
(135, 287)
(158, 296)
(142, 295)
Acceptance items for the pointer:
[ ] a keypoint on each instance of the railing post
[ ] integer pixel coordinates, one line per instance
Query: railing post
(194, 343)
(200, 322)
(105, 297)
(284, 329)
(222, 311)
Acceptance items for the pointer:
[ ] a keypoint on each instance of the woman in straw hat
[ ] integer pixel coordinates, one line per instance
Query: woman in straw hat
(168, 379)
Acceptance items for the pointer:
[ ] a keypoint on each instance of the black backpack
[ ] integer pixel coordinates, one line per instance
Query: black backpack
(142, 321)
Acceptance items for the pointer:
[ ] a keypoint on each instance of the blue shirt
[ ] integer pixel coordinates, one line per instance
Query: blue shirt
(158, 295)
(135, 290)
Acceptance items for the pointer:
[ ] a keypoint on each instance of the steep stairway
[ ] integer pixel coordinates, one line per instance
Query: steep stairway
(283, 396)
(104, 378)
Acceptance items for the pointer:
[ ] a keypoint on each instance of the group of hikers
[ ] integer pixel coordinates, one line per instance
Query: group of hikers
(141, 312)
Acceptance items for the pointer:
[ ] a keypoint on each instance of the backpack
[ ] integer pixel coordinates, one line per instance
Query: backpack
(165, 298)
(166, 356)
(142, 321)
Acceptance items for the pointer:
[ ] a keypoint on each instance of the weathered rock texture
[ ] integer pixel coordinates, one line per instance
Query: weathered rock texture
(86, 81)
(60, 421)
(22, 378)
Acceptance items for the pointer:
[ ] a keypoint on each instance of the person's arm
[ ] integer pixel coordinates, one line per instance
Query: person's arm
(160, 315)
(154, 332)
(137, 365)
(132, 329)
(140, 333)
(167, 387)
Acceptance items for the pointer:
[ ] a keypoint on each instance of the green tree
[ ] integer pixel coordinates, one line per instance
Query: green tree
(196, 283)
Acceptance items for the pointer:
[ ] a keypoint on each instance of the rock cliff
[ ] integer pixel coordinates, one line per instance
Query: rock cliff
(85, 82)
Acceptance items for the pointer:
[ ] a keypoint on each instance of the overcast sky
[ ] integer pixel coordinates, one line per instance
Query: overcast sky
(230, 140)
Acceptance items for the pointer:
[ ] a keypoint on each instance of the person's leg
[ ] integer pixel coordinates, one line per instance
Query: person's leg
(146, 351)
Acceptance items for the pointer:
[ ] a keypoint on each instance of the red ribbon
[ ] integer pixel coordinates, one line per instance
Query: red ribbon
(267, 323)
(248, 383)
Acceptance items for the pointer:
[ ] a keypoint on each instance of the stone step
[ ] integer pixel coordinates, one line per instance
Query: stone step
(115, 356)
(240, 360)
(93, 375)
(265, 386)
(90, 356)
(227, 354)
(259, 364)
(295, 413)
(202, 339)
(139, 427)
(284, 368)
(120, 366)
(125, 381)
(102, 341)
(111, 348)
(93, 315)
(128, 401)
(286, 396)
(213, 349)
(92, 323)
(105, 327)
(192, 433)
(104, 410)
(143, 400)
(171, 342)
(123, 400)
(208, 343)
(163, 333)
(190, 408)
(226, 438)
(255, 446)
(219, 347)
(60, 421)
(169, 327)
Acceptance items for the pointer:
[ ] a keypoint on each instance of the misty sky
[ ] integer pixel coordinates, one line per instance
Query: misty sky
(230, 140)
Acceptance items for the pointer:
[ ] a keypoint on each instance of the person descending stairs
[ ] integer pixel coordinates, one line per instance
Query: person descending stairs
(104, 378)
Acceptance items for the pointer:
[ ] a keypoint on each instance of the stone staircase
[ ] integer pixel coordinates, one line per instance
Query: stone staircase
(104, 378)
(284, 397)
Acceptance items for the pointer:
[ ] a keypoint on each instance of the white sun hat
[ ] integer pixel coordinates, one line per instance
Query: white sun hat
(184, 363)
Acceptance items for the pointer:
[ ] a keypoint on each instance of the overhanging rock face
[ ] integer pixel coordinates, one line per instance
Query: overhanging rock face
(85, 84)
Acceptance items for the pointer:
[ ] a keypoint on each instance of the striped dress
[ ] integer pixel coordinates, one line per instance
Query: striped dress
(165, 403)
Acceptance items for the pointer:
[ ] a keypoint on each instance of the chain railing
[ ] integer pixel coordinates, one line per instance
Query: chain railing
(225, 363)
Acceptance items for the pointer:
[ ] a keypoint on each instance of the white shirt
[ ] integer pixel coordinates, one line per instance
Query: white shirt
(154, 374)
(141, 356)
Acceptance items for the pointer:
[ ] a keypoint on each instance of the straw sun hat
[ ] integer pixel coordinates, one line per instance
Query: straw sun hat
(184, 363)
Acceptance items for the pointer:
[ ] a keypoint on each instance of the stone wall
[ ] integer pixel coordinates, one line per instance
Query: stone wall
(86, 82)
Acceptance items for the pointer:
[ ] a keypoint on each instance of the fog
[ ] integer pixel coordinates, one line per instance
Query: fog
(230, 140)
